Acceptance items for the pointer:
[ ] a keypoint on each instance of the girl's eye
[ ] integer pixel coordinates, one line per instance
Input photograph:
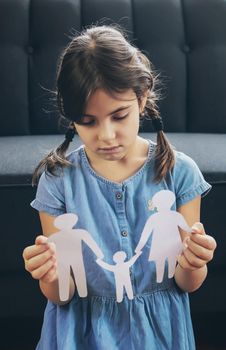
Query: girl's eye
(120, 117)
(87, 121)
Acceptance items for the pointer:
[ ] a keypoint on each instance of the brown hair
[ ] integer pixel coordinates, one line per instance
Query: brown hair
(102, 57)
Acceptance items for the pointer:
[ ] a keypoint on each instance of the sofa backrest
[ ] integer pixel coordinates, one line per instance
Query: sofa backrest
(185, 40)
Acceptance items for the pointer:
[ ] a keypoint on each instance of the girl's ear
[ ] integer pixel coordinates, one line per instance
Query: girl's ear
(74, 125)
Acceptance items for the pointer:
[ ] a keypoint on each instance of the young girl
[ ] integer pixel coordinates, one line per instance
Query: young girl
(105, 86)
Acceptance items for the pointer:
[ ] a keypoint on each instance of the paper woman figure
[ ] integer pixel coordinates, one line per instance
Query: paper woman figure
(69, 254)
(164, 227)
(121, 273)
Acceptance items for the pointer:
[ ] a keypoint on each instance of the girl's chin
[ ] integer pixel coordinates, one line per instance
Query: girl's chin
(111, 157)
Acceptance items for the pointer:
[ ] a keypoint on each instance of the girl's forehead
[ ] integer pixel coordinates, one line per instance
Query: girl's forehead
(106, 100)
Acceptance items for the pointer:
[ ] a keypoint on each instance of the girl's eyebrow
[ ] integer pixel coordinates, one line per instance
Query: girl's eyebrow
(113, 112)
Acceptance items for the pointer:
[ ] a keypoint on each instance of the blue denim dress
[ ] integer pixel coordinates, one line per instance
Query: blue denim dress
(158, 318)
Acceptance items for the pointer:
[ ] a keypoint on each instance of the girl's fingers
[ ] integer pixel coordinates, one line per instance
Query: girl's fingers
(205, 241)
(183, 262)
(39, 260)
(51, 275)
(41, 240)
(198, 228)
(193, 259)
(43, 269)
(200, 249)
(36, 255)
(36, 249)
(39, 247)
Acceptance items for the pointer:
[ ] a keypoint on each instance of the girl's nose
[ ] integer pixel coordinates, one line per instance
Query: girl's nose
(106, 132)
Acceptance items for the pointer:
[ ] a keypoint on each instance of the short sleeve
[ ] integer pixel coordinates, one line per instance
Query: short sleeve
(188, 179)
(50, 195)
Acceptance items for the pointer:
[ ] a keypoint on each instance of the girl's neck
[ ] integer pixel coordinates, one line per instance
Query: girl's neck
(119, 171)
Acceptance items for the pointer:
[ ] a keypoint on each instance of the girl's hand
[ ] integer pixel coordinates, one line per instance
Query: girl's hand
(40, 260)
(199, 249)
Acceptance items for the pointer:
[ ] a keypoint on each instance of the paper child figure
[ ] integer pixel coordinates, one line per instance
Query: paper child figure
(69, 254)
(121, 273)
(166, 240)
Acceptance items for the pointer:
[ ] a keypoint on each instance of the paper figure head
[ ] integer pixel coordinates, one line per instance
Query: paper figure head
(163, 200)
(66, 221)
(119, 256)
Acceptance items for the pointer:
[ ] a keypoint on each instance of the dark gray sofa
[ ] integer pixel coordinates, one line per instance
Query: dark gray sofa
(186, 41)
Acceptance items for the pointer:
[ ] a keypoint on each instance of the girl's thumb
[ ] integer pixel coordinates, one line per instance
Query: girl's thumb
(41, 240)
(198, 228)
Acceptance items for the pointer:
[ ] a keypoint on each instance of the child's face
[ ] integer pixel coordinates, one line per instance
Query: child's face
(110, 125)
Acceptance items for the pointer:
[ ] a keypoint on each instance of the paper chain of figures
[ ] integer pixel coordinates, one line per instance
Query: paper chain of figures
(164, 246)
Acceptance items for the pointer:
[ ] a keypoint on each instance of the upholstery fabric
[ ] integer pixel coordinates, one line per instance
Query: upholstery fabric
(187, 49)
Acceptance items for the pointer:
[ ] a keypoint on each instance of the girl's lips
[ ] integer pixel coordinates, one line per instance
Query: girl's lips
(110, 150)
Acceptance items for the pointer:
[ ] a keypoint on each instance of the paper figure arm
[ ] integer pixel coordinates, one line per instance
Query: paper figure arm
(183, 224)
(144, 235)
(134, 258)
(105, 265)
(87, 238)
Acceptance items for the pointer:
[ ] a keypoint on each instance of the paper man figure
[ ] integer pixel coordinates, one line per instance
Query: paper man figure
(69, 254)
(121, 273)
(164, 227)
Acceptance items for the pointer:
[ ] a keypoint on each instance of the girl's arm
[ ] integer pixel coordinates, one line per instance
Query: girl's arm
(191, 270)
(40, 261)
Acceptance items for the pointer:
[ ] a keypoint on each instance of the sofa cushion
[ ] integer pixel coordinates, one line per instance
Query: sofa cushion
(20, 155)
(186, 47)
(206, 72)
(208, 150)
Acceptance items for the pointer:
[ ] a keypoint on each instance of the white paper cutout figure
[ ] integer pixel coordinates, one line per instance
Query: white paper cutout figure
(121, 273)
(69, 254)
(166, 240)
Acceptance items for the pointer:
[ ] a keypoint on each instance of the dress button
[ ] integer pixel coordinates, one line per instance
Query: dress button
(124, 233)
(118, 195)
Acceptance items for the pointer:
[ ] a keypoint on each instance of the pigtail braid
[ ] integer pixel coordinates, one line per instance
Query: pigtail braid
(56, 158)
(164, 157)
